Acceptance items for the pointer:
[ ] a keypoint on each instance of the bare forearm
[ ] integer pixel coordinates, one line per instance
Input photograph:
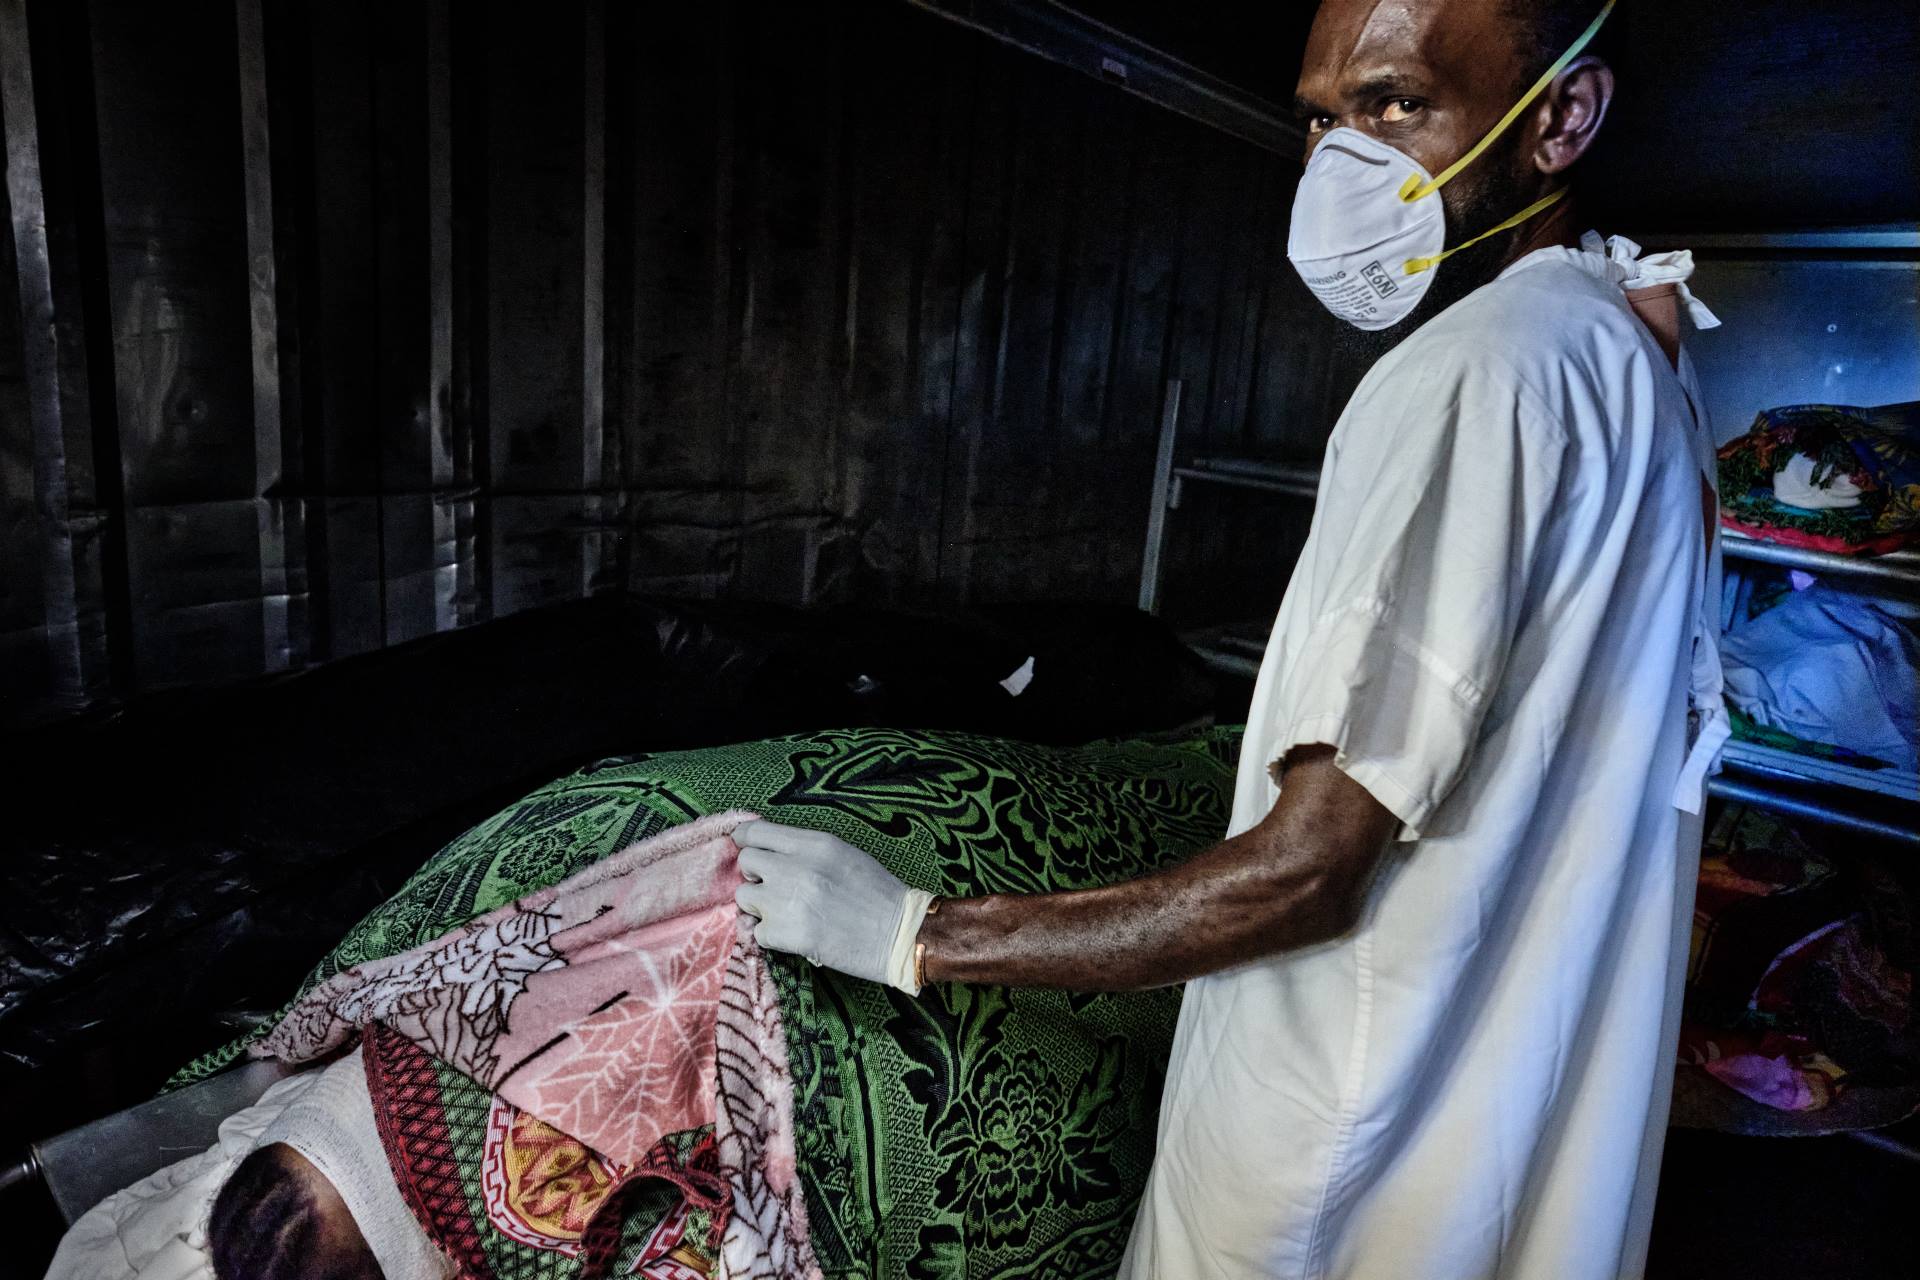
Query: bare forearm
(1247, 898)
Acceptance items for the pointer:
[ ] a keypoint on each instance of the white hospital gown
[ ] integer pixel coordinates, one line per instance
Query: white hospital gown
(1494, 621)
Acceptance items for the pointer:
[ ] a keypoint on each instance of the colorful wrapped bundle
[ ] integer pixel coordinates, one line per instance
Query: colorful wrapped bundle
(1800, 981)
(1826, 477)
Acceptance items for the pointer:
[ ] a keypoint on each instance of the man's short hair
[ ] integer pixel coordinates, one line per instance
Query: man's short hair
(1548, 27)
(265, 1225)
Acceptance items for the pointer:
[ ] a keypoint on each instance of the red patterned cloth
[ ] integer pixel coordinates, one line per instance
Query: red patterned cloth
(1800, 985)
(620, 1007)
(508, 1197)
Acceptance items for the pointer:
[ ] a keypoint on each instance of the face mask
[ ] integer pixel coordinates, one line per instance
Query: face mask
(1368, 225)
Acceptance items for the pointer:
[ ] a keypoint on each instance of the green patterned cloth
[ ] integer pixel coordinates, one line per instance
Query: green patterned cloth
(974, 1131)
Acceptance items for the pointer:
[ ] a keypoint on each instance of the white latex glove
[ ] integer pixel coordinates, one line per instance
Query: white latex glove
(817, 896)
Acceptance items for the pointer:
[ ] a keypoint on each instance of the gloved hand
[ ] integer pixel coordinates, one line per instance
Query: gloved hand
(818, 896)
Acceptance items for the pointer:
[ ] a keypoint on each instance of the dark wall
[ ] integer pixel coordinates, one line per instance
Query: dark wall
(1731, 115)
(1761, 115)
(343, 322)
(397, 317)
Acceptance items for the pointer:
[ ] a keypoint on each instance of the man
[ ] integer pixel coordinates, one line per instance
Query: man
(1433, 972)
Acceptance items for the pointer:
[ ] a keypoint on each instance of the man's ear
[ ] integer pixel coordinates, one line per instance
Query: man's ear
(1574, 106)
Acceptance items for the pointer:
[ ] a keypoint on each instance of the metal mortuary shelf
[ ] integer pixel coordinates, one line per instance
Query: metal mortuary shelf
(1763, 793)
(1236, 650)
(1295, 480)
(1900, 569)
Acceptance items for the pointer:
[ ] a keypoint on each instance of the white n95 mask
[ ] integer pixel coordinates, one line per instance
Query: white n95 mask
(1368, 225)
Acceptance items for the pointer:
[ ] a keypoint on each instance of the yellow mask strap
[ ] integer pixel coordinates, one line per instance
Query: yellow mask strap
(1416, 265)
(1414, 189)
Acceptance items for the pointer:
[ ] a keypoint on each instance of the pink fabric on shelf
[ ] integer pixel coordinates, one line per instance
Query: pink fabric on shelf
(1774, 1082)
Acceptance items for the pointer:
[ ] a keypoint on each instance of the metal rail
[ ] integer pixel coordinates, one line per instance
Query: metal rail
(1880, 1141)
(1288, 472)
(1788, 766)
(1900, 568)
(1163, 500)
(1746, 792)
(1267, 477)
(1170, 481)
(19, 1170)
(1059, 34)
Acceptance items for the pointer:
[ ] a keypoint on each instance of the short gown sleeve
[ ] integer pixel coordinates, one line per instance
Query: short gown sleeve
(1436, 499)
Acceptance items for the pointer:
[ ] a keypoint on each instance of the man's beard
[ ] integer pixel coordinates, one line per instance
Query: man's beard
(1483, 195)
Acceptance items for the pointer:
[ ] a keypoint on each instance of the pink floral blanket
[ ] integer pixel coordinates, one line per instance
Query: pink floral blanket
(623, 1004)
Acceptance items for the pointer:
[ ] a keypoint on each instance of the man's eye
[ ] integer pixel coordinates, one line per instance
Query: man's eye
(1319, 124)
(1399, 110)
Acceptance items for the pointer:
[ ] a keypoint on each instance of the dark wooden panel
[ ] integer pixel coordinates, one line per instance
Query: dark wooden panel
(169, 136)
(345, 546)
(1094, 284)
(1248, 247)
(908, 117)
(1156, 206)
(1144, 325)
(1271, 390)
(676, 124)
(1017, 451)
(788, 210)
(537, 548)
(321, 93)
(458, 35)
(836, 302)
(420, 563)
(338, 282)
(981, 319)
(1210, 277)
(195, 570)
(1097, 484)
(86, 396)
(1011, 485)
(667, 380)
(534, 106)
(27, 674)
(401, 322)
